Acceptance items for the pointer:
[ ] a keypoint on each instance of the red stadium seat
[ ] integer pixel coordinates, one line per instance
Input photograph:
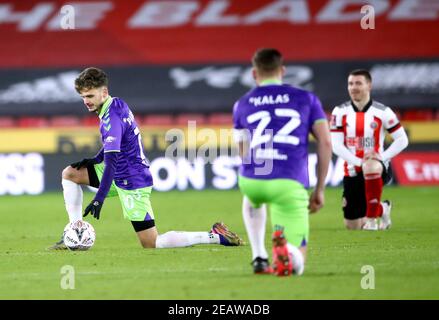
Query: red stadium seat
(156, 120)
(398, 114)
(64, 121)
(90, 121)
(223, 119)
(184, 118)
(418, 115)
(7, 122)
(33, 122)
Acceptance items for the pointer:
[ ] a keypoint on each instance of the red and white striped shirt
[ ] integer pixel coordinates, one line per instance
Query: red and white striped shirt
(363, 131)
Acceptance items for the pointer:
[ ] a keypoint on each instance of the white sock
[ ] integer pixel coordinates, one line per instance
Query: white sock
(254, 220)
(298, 259)
(72, 199)
(177, 239)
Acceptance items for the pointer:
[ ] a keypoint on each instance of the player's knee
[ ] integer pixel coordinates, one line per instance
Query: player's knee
(68, 173)
(148, 244)
(372, 166)
(148, 238)
(353, 225)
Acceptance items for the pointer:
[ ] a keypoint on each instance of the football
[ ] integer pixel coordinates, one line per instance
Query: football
(79, 235)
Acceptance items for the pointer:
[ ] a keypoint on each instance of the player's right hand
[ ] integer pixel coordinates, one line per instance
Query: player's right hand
(83, 163)
(94, 208)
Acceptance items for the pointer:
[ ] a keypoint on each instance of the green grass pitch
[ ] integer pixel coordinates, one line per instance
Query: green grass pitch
(405, 259)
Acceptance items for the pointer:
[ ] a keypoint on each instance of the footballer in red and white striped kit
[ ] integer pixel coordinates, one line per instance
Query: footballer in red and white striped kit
(358, 130)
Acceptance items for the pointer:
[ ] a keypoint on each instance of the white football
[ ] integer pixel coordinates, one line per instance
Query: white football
(79, 235)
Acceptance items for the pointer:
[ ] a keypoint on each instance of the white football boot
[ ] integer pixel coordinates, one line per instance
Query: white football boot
(385, 222)
(371, 224)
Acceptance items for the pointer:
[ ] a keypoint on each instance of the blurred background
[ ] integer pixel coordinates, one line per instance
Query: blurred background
(180, 61)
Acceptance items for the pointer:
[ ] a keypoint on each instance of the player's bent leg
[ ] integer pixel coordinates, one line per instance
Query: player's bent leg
(71, 183)
(219, 234)
(254, 214)
(372, 171)
(356, 224)
(287, 258)
(148, 237)
(80, 176)
(289, 217)
(255, 223)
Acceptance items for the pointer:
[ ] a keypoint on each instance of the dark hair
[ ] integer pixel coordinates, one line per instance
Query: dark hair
(267, 60)
(91, 78)
(361, 72)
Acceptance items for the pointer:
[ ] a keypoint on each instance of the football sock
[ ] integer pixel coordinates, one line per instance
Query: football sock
(176, 239)
(374, 189)
(72, 199)
(254, 220)
(298, 259)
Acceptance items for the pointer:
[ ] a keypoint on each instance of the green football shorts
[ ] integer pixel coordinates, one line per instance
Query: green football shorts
(136, 204)
(288, 203)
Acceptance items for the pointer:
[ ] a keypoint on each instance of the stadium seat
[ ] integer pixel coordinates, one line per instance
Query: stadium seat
(33, 122)
(156, 120)
(90, 121)
(7, 122)
(398, 114)
(223, 119)
(184, 118)
(64, 121)
(418, 115)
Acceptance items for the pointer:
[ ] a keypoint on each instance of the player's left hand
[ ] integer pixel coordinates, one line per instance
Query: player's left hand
(94, 208)
(316, 201)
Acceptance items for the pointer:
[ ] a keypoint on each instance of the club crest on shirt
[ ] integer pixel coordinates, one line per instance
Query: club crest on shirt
(373, 125)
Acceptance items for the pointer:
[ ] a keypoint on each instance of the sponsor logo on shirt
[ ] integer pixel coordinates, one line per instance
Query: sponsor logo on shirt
(360, 142)
(110, 139)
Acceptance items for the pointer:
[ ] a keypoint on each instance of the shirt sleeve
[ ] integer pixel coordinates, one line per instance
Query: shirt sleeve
(112, 133)
(239, 131)
(336, 123)
(110, 160)
(391, 122)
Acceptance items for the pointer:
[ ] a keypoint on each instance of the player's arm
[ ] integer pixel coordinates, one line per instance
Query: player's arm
(110, 159)
(338, 137)
(98, 158)
(398, 134)
(112, 139)
(320, 131)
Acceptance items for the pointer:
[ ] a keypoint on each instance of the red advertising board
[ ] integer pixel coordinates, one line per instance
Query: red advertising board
(417, 168)
(114, 32)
